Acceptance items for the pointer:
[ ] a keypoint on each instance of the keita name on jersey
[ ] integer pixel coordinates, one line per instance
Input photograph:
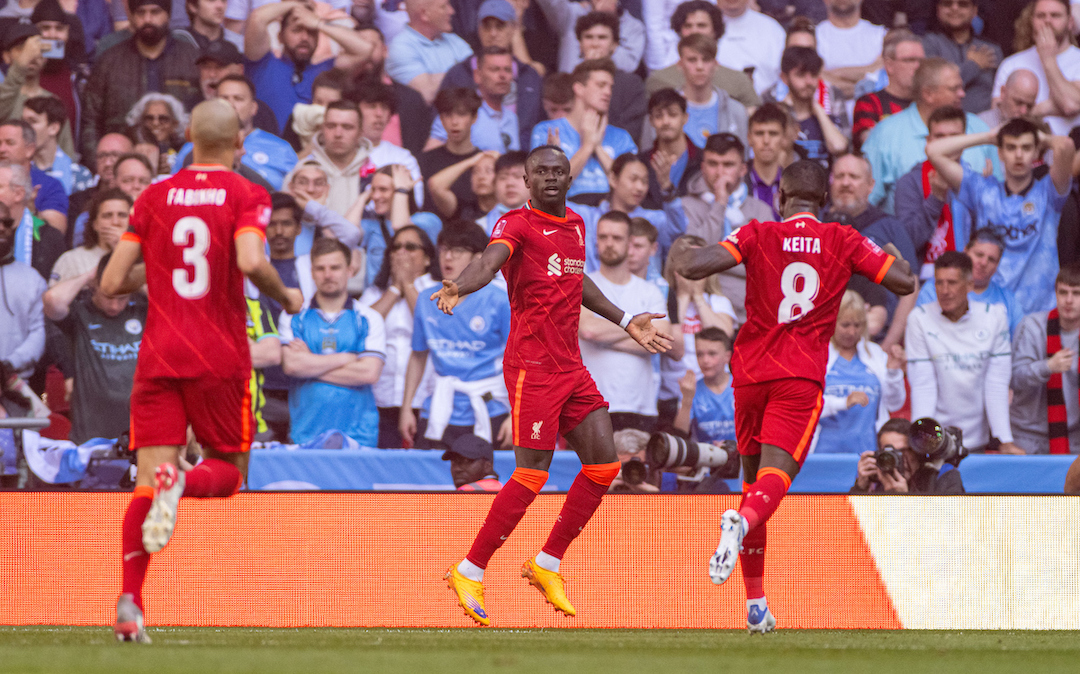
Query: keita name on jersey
(802, 244)
(210, 196)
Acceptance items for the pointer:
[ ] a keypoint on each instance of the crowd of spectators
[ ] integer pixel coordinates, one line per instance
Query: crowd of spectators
(392, 137)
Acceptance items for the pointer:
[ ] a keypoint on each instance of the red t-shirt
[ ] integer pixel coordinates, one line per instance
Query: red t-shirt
(796, 274)
(196, 324)
(544, 277)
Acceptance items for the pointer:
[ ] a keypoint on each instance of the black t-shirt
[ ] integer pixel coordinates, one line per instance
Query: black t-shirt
(106, 352)
(433, 161)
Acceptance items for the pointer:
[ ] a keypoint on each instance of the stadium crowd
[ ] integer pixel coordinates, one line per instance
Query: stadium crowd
(392, 136)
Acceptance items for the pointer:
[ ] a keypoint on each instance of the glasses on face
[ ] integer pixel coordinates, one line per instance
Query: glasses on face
(456, 251)
(304, 182)
(157, 119)
(408, 245)
(7, 223)
(109, 155)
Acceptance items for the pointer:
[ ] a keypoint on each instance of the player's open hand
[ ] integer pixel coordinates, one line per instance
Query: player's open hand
(646, 334)
(447, 297)
(294, 301)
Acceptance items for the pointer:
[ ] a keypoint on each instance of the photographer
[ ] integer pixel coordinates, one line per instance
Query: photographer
(912, 472)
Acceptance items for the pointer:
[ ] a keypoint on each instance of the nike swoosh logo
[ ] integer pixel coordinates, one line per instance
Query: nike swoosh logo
(132, 555)
(549, 232)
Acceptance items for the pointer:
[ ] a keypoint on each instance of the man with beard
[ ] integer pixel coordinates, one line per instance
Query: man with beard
(849, 45)
(621, 368)
(283, 81)
(149, 60)
(1055, 61)
(217, 61)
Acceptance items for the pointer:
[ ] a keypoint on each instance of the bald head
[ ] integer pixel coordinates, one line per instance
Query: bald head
(1018, 94)
(214, 126)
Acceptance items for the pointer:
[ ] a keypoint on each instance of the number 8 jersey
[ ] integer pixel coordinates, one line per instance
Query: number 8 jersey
(796, 274)
(196, 324)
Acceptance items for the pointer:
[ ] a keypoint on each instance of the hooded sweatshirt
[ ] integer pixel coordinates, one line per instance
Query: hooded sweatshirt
(22, 318)
(344, 183)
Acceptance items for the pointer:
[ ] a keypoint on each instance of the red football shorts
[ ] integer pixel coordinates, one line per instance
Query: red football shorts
(781, 412)
(545, 404)
(219, 411)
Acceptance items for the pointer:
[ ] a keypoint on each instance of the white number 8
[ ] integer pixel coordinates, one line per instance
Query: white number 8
(194, 236)
(797, 303)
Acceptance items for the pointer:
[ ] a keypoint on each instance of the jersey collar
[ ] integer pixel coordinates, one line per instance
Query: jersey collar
(802, 216)
(549, 216)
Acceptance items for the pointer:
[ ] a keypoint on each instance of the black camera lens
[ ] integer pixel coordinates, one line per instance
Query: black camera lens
(886, 459)
(634, 471)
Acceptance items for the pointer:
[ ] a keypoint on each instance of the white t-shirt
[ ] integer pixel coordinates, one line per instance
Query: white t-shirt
(959, 372)
(753, 40)
(390, 388)
(1069, 63)
(859, 45)
(627, 381)
(691, 325)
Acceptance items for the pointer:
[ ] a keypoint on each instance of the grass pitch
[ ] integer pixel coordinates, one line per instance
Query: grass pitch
(268, 651)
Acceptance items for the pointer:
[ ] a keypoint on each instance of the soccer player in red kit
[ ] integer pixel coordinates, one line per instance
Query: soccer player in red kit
(541, 251)
(198, 233)
(796, 271)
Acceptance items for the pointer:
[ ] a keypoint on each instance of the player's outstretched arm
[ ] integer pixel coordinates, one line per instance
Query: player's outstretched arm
(696, 262)
(899, 279)
(123, 274)
(640, 327)
(251, 258)
(478, 274)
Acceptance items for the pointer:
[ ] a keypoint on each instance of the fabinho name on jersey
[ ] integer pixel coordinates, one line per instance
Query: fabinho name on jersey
(210, 196)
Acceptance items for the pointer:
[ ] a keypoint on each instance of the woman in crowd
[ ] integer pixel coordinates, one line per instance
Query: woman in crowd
(863, 384)
(159, 119)
(108, 219)
(694, 306)
(411, 267)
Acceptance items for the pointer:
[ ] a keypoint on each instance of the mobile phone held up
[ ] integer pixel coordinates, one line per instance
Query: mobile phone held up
(52, 49)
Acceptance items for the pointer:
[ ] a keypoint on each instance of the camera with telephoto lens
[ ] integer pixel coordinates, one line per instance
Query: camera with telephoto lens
(634, 471)
(933, 441)
(888, 458)
(670, 451)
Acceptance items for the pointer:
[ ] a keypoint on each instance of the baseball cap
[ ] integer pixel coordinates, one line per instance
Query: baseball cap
(49, 10)
(17, 33)
(221, 52)
(500, 9)
(470, 446)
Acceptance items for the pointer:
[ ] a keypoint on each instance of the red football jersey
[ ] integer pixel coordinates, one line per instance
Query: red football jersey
(544, 277)
(796, 274)
(196, 324)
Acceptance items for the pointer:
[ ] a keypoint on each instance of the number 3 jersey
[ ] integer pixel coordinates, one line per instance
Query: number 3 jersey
(796, 274)
(196, 324)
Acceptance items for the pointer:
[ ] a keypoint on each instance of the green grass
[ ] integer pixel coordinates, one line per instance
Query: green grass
(267, 651)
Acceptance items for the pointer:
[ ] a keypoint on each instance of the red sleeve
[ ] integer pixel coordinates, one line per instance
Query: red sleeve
(742, 241)
(254, 212)
(509, 231)
(867, 259)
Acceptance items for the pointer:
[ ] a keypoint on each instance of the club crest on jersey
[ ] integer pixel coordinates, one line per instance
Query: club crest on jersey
(477, 324)
(536, 429)
(133, 326)
(498, 228)
(733, 237)
(580, 238)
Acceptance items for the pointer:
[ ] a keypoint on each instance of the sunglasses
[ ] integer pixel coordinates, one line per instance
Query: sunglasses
(410, 246)
(157, 119)
(7, 223)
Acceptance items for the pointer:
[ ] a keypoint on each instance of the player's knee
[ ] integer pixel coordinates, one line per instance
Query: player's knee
(601, 473)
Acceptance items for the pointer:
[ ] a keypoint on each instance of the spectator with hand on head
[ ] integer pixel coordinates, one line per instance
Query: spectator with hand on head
(310, 188)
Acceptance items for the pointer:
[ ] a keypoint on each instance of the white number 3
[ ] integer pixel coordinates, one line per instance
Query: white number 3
(797, 303)
(193, 235)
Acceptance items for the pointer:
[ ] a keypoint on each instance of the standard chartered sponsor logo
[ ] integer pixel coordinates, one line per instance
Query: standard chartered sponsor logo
(554, 265)
(558, 266)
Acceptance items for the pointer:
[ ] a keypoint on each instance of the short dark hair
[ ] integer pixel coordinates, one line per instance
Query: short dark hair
(947, 113)
(491, 51)
(324, 246)
(348, 106)
(1014, 128)
(702, 44)
(511, 159)
(279, 200)
(50, 106)
(954, 259)
(330, 79)
(457, 99)
(592, 19)
(463, 234)
(558, 88)
(28, 135)
(90, 235)
(895, 425)
(722, 143)
(986, 235)
(1068, 275)
(243, 79)
(616, 216)
(714, 334)
(541, 148)
(585, 69)
(382, 279)
(665, 98)
(684, 10)
(141, 158)
(642, 227)
(801, 24)
(374, 93)
(622, 161)
(768, 113)
(802, 59)
(807, 180)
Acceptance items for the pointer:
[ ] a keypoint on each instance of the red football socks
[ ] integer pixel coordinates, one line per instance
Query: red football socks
(752, 559)
(506, 511)
(763, 497)
(135, 556)
(213, 477)
(581, 502)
